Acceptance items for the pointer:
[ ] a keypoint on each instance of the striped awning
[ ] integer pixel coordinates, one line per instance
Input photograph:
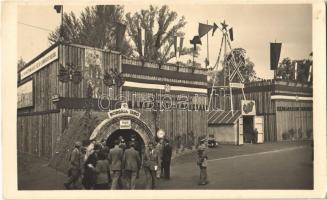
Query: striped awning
(217, 117)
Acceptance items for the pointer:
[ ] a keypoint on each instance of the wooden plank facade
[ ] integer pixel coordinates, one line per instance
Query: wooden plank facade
(39, 126)
(286, 107)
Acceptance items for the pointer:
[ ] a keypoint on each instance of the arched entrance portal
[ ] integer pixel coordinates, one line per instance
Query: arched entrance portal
(127, 135)
(125, 125)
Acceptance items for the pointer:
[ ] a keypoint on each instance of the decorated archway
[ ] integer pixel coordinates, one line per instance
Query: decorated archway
(125, 119)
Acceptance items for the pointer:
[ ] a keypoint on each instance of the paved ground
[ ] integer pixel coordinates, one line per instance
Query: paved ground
(260, 166)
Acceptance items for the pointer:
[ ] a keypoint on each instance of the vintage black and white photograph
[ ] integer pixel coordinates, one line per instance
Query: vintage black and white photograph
(142, 96)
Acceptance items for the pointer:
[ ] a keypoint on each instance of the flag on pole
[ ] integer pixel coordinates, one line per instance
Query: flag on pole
(58, 8)
(181, 40)
(139, 41)
(295, 70)
(231, 36)
(310, 73)
(215, 26)
(175, 45)
(204, 29)
(120, 33)
(275, 49)
(196, 40)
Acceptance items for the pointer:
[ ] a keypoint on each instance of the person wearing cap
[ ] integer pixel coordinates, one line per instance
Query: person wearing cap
(151, 162)
(202, 162)
(89, 178)
(131, 165)
(74, 171)
(115, 164)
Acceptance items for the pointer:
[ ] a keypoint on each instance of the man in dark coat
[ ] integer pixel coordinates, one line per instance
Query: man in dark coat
(151, 163)
(75, 166)
(166, 158)
(131, 163)
(115, 162)
(89, 178)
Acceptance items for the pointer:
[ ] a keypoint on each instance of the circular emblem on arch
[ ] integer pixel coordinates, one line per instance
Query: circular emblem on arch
(113, 123)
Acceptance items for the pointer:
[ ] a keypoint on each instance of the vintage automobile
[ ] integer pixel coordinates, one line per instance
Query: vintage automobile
(212, 142)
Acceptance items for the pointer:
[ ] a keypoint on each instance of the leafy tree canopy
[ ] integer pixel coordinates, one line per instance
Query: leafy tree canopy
(286, 70)
(95, 27)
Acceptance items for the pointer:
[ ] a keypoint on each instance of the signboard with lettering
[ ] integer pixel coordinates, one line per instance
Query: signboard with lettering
(248, 107)
(123, 112)
(236, 85)
(281, 108)
(40, 63)
(125, 124)
(25, 95)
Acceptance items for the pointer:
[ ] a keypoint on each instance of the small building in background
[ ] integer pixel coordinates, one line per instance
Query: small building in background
(282, 111)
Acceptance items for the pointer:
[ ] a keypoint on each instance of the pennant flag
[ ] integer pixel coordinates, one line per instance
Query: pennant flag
(196, 40)
(231, 36)
(58, 8)
(181, 45)
(175, 45)
(310, 73)
(215, 26)
(204, 29)
(295, 71)
(120, 32)
(275, 49)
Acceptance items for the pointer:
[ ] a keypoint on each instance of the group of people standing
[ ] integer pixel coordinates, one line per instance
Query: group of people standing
(118, 168)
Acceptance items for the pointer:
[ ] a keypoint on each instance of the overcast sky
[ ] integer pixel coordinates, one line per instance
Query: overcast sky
(255, 26)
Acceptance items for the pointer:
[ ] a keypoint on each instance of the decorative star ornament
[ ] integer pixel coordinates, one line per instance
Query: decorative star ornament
(224, 25)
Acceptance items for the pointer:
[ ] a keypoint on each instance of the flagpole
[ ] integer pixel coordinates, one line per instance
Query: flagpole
(62, 23)
(207, 46)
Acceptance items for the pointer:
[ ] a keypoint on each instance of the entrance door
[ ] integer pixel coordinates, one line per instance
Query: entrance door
(248, 129)
(259, 125)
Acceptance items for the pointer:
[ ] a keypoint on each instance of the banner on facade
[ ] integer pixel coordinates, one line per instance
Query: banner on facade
(248, 107)
(93, 73)
(40, 63)
(25, 95)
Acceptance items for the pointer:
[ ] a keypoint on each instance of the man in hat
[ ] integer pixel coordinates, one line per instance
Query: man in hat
(115, 162)
(151, 162)
(131, 165)
(202, 162)
(74, 171)
(166, 158)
